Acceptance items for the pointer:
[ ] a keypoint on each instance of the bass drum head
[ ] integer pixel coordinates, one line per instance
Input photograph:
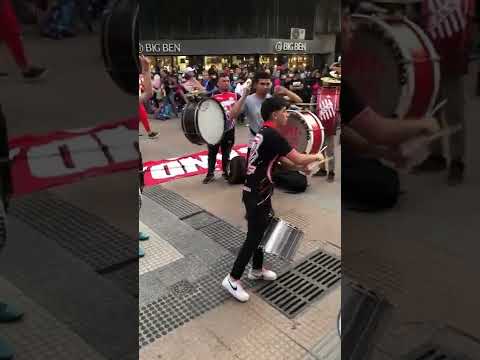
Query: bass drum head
(372, 66)
(210, 120)
(119, 44)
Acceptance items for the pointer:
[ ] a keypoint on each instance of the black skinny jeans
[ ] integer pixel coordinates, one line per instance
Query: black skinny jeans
(258, 217)
(226, 146)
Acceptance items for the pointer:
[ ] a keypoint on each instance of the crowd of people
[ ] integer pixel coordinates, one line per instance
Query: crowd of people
(264, 102)
(172, 87)
(59, 19)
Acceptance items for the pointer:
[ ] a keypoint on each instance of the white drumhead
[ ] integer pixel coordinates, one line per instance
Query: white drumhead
(210, 121)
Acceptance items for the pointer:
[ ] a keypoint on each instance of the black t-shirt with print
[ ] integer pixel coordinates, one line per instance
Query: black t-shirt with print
(350, 104)
(266, 148)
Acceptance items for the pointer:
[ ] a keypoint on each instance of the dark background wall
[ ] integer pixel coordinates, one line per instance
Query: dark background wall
(188, 19)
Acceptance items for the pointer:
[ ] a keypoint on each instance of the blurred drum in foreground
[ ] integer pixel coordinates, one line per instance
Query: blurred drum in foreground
(393, 66)
(119, 42)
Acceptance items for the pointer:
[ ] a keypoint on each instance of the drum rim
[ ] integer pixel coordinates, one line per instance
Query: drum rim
(405, 103)
(279, 220)
(406, 96)
(197, 140)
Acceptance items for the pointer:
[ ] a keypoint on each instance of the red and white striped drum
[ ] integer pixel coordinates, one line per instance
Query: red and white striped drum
(304, 131)
(393, 66)
(328, 108)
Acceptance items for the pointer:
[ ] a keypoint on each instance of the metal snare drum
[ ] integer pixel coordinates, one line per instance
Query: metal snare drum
(281, 239)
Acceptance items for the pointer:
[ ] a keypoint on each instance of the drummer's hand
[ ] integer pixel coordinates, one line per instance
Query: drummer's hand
(144, 63)
(430, 126)
(280, 90)
(320, 157)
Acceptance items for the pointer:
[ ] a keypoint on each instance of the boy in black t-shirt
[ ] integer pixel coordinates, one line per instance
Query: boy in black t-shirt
(267, 148)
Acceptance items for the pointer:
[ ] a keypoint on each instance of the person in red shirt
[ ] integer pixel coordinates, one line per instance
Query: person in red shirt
(227, 98)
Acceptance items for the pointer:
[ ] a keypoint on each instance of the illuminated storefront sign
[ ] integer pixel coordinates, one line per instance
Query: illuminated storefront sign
(288, 46)
(160, 48)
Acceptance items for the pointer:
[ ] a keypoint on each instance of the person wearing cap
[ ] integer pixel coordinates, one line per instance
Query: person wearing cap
(191, 84)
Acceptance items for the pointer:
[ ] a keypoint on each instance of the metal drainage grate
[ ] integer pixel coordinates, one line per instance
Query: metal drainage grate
(434, 352)
(171, 201)
(200, 220)
(230, 237)
(299, 287)
(85, 235)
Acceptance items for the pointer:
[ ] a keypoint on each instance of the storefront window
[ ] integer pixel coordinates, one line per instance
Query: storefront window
(182, 62)
(268, 60)
(162, 62)
(300, 61)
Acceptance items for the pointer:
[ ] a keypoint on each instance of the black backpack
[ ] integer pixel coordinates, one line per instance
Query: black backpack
(237, 170)
(368, 185)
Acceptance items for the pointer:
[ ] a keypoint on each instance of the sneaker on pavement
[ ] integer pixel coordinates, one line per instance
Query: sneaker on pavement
(34, 73)
(141, 252)
(235, 288)
(331, 176)
(226, 175)
(153, 135)
(142, 236)
(434, 163)
(321, 172)
(209, 178)
(263, 274)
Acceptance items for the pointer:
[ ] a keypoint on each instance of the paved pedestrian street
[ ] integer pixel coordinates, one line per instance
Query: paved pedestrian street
(195, 233)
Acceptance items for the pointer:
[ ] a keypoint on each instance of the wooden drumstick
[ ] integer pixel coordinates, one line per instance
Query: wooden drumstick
(315, 166)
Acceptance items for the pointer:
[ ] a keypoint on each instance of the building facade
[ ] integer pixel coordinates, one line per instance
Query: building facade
(252, 32)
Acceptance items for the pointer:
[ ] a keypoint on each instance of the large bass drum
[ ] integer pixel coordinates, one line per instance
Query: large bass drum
(304, 131)
(203, 122)
(119, 42)
(392, 65)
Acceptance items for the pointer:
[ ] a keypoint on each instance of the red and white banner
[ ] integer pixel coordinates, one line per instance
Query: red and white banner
(62, 157)
(161, 171)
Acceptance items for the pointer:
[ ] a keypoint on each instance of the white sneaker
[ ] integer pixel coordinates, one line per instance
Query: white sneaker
(265, 274)
(235, 288)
